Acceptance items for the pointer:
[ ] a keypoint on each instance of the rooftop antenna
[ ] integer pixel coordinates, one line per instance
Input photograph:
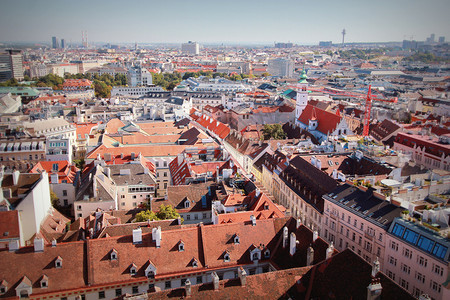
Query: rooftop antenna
(343, 36)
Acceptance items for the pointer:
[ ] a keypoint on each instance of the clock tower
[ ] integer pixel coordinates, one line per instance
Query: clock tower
(302, 95)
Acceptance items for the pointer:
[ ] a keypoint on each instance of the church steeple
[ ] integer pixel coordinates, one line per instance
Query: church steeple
(302, 94)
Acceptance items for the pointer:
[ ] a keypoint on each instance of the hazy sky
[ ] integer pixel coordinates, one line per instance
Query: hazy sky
(150, 21)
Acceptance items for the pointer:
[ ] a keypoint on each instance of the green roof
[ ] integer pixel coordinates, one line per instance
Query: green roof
(303, 77)
(19, 90)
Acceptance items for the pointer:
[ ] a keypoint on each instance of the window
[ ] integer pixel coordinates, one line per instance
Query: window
(360, 241)
(425, 244)
(406, 268)
(188, 217)
(416, 292)
(422, 261)
(404, 284)
(355, 223)
(439, 251)
(151, 286)
(394, 246)
(392, 260)
(368, 246)
(354, 237)
(204, 215)
(183, 281)
(438, 270)
(407, 253)
(391, 275)
(168, 284)
(79, 207)
(435, 286)
(380, 237)
(420, 277)
(118, 292)
(398, 230)
(410, 236)
(226, 257)
(101, 295)
(135, 289)
(199, 279)
(362, 226)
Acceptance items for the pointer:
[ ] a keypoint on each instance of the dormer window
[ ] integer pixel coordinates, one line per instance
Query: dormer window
(194, 263)
(236, 239)
(3, 287)
(266, 207)
(226, 257)
(150, 271)
(255, 256)
(44, 282)
(133, 269)
(113, 254)
(181, 246)
(267, 253)
(58, 262)
(187, 204)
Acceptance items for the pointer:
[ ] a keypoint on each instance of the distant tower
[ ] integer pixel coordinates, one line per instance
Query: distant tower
(302, 95)
(54, 42)
(63, 44)
(84, 38)
(135, 46)
(343, 36)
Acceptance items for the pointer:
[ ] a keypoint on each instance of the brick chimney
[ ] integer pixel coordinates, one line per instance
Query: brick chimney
(309, 256)
(292, 244)
(242, 276)
(285, 236)
(374, 289)
(188, 288)
(215, 280)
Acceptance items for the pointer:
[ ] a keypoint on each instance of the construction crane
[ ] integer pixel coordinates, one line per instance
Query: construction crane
(367, 112)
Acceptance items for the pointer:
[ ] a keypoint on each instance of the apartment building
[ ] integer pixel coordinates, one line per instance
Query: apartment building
(358, 218)
(300, 189)
(416, 257)
(431, 152)
(21, 153)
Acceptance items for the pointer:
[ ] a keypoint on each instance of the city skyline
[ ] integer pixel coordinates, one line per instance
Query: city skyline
(234, 22)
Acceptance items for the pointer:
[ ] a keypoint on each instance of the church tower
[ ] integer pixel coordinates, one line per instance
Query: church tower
(302, 95)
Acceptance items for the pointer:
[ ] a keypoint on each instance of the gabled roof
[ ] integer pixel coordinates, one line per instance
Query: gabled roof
(66, 171)
(327, 121)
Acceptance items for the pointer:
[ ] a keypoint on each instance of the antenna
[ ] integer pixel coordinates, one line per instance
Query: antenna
(343, 36)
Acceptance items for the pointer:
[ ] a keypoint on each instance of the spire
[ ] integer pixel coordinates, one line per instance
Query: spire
(303, 76)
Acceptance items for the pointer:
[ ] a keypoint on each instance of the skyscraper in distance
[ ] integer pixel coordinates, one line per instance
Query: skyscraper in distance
(54, 42)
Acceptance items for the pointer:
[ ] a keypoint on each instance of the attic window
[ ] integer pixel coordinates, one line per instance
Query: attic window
(267, 253)
(194, 263)
(226, 257)
(58, 262)
(187, 203)
(266, 206)
(236, 239)
(133, 269)
(151, 275)
(181, 246)
(2, 290)
(255, 256)
(44, 282)
(113, 255)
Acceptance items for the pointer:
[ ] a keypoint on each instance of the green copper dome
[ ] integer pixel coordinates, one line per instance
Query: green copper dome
(303, 77)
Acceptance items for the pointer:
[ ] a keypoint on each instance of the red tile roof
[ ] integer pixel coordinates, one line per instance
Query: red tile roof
(220, 129)
(9, 225)
(327, 121)
(65, 171)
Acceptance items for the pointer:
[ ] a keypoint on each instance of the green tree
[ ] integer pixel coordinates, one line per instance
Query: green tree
(102, 90)
(146, 215)
(274, 131)
(80, 163)
(165, 212)
(54, 198)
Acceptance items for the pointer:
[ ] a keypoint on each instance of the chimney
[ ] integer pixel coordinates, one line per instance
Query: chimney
(215, 279)
(285, 236)
(242, 276)
(253, 219)
(108, 172)
(54, 243)
(188, 288)
(292, 244)
(315, 235)
(137, 236)
(375, 267)
(13, 245)
(38, 244)
(374, 289)
(309, 256)
(156, 236)
(15, 175)
(329, 252)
